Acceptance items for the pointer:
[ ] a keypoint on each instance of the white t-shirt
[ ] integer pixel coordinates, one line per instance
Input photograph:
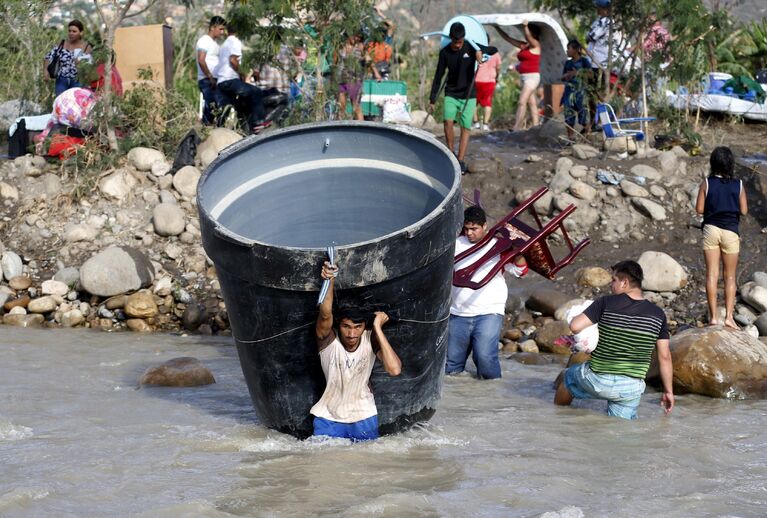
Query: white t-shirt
(489, 299)
(211, 49)
(231, 47)
(347, 397)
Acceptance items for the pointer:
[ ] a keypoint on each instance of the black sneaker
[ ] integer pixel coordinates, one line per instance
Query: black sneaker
(464, 167)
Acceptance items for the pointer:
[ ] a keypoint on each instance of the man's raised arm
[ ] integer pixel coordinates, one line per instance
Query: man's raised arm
(325, 318)
(385, 353)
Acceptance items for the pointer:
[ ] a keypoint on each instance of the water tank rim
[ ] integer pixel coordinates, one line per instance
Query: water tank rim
(248, 142)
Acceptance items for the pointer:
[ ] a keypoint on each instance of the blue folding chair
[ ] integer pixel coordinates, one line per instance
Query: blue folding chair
(611, 125)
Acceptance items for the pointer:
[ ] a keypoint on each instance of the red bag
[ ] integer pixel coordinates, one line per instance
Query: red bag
(64, 146)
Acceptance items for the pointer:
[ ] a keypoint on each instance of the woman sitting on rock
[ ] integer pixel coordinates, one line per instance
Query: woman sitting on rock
(721, 200)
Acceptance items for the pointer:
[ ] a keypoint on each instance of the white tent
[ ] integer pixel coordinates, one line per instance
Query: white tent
(553, 40)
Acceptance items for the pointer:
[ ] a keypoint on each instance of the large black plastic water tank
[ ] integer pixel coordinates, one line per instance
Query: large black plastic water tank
(389, 199)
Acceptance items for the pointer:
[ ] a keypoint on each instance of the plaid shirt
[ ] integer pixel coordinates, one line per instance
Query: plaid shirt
(270, 76)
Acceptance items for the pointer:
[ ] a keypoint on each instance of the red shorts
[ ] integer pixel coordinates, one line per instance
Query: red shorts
(485, 93)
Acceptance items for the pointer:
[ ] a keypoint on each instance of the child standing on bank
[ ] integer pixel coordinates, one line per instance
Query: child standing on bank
(721, 200)
(574, 97)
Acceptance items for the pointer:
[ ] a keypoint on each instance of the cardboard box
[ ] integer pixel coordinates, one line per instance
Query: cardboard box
(145, 47)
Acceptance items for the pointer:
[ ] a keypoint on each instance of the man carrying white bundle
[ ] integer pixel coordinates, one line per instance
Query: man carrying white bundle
(630, 328)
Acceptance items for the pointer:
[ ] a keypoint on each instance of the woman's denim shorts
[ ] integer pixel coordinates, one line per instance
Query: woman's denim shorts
(623, 393)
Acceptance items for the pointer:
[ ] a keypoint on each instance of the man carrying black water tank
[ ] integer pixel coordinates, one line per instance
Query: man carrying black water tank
(459, 59)
(347, 354)
(630, 327)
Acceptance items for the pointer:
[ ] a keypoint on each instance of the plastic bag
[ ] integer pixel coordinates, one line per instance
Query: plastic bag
(586, 340)
(395, 109)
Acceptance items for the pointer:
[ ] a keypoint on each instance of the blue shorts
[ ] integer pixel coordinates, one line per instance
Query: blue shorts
(623, 393)
(365, 430)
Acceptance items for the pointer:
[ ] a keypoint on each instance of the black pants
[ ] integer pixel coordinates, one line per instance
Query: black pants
(246, 98)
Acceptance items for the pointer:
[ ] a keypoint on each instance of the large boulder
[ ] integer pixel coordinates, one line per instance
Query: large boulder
(178, 372)
(717, 362)
(218, 139)
(582, 190)
(755, 296)
(546, 300)
(593, 277)
(547, 336)
(115, 270)
(668, 162)
(661, 272)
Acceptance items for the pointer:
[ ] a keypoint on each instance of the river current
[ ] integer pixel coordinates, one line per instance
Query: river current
(79, 438)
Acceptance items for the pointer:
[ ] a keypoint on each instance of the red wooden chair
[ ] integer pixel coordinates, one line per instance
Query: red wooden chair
(514, 237)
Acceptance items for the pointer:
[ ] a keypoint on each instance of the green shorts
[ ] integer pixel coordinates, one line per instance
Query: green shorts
(460, 110)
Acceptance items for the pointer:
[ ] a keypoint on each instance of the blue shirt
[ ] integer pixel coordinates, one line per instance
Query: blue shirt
(722, 207)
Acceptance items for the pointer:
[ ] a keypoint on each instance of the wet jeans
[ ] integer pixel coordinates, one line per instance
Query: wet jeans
(478, 335)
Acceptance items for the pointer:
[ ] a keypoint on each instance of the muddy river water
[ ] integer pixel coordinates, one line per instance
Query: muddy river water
(78, 438)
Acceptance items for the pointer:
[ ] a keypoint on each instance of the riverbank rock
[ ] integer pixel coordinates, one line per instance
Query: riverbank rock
(19, 320)
(649, 208)
(718, 362)
(646, 171)
(118, 269)
(138, 325)
(546, 337)
(142, 158)
(52, 287)
(661, 272)
(218, 139)
(140, 305)
(11, 265)
(20, 282)
(42, 305)
(168, 219)
(755, 296)
(584, 151)
(562, 179)
(546, 300)
(761, 324)
(760, 279)
(633, 190)
(178, 372)
(118, 185)
(593, 277)
(185, 181)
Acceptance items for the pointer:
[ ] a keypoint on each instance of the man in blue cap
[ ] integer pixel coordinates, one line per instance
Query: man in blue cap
(459, 58)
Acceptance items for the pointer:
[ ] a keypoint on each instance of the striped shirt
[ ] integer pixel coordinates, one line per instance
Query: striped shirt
(628, 332)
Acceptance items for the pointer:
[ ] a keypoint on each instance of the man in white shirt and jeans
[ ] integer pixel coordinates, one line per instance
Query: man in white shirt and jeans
(231, 89)
(476, 316)
(207, 60)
